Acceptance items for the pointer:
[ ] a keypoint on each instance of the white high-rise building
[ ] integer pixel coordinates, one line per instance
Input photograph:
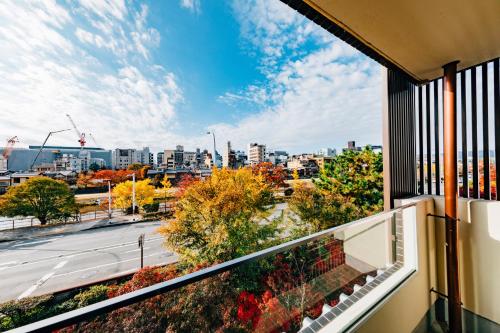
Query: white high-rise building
(256, 153)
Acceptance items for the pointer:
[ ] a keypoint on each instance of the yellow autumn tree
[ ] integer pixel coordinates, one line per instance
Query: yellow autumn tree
(221, 217)
(166, 185)
(144, 193)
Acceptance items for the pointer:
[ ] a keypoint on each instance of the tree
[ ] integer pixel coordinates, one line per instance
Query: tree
(42, 197)
(357, 176)
(220, 218)
(84, 180)
(116, 177)
(165, 184)
(144, 193)
(94, 167)
(273, 175)
(348, 188)
(135, 166)
(143, 172)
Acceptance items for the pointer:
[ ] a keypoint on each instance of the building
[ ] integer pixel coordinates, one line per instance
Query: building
(241, 158)
(4, 183)
(305, 164)
(278, 157)
(122, 158)
(256, 153)
(351, 145)
(146, 157)
(159, 158)
(322, 160)
(3, 164)
(190, 159)
(21, 159)
(18, 178)
(44, 167)
(328, 152)
(229, 157)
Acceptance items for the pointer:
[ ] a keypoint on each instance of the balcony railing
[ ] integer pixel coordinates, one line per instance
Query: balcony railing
(331, 278)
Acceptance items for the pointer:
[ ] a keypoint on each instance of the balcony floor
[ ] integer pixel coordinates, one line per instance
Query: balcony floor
(471, 322)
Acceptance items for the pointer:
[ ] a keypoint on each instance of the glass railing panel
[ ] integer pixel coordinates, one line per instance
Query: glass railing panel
(282, 289)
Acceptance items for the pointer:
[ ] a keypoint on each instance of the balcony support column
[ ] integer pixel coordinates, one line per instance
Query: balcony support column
(451, 195)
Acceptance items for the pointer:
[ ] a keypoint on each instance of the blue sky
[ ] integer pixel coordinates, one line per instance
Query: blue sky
(162, 73)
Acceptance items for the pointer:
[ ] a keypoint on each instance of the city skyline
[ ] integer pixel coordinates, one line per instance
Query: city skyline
(124, 72)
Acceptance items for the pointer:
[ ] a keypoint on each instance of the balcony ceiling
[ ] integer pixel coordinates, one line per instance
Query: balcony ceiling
(420, 36)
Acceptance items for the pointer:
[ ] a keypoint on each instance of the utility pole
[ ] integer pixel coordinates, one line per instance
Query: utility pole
(109, 198)
(140, 242)
(133, 196)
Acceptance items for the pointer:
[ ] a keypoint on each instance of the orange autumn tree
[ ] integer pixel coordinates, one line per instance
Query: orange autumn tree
(274, 175)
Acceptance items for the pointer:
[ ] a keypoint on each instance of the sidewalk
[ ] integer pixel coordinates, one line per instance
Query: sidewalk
(50, 230)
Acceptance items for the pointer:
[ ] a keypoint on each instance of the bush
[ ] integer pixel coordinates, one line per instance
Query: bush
(24, 311)
(28, 310)
(151, 208)
(93, 295)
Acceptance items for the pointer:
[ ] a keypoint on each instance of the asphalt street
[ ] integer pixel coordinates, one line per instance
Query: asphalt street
(43, 265)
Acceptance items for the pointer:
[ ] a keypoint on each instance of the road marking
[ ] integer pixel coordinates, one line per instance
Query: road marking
(8, 263)
(61, 264)
(104, 265)
(29, 243)
(146, 248)
(31, 289)
(81, 252)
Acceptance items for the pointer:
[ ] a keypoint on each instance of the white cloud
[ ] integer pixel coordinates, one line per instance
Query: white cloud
(192, 5)
(106, 8)
(274, 29)
(322, 97)
(114, 27)
(44, 75)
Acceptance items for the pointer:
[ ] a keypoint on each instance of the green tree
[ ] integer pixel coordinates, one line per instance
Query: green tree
(357, 176)
(42, 197)
(348, 188)
(94, 167)
(221, 217)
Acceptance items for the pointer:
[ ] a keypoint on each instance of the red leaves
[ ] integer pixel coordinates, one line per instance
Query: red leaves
(248, 308)
(117, 176)
(273, 175)
(143, 278)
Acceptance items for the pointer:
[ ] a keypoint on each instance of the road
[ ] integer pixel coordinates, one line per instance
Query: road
(43, 265)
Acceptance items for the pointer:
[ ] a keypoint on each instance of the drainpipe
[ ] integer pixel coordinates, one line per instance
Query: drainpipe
(451, 195)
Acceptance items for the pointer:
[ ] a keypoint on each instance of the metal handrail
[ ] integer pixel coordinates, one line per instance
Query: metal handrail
(91, 311)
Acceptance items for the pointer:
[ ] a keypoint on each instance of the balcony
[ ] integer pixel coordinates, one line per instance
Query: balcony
(391, 272)
(382, 273)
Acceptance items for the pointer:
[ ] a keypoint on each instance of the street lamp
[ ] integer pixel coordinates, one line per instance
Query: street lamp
(215, 151)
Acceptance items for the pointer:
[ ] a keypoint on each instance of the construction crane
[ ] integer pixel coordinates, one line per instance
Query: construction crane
(10, 145)
(43, 145)
(81, 136)
(93, 139)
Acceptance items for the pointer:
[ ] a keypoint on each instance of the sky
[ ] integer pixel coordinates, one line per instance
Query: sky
(163, 73)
